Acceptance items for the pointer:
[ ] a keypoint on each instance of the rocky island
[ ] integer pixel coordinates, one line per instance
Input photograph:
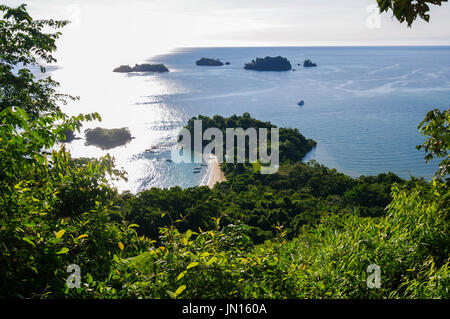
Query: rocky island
(107, 138)
(209, 62)
(160, 68)
(308, 63)
(269, 64)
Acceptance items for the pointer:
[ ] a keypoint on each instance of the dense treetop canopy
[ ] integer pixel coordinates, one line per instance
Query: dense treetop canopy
(409, 10)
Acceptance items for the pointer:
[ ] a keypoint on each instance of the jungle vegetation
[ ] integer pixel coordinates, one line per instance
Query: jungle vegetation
(306, 232)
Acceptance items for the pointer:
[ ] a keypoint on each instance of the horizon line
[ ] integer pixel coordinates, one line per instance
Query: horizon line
(315, 45)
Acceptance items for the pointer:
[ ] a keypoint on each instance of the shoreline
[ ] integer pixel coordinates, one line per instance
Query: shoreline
(214, 173)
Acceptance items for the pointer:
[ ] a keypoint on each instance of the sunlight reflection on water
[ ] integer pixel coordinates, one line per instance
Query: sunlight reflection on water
(125, 100)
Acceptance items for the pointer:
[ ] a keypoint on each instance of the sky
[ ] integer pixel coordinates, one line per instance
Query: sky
(124, 27)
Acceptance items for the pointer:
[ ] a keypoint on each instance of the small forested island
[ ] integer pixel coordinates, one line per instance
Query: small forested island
(209, 62)
(308, 64)
(269, 64)
(293, 145)
(107, 138)
(160, 68)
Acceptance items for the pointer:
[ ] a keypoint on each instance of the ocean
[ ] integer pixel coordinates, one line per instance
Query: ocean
(362, 105)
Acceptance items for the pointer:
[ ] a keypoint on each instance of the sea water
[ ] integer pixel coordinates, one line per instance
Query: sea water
(362, 106)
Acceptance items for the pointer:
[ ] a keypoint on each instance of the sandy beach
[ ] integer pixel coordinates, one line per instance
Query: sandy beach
(216, 175)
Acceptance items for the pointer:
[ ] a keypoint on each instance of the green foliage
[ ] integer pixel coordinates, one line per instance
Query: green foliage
(407, 10)
(23, 43)
(299, 195)
(435, 126)
(316, 230)
(191, 208)
(54, 211)
(205, 264)
(41, 195)
(293, 146)
(410, 244)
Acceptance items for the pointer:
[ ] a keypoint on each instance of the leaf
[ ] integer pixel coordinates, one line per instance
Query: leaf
(180, 290)
(63, 251)
(171, 294)
(181, 275)
(192, 265)
(28, 240)
(82, 236)
(133, 225)
(60, 233)
(213, 259)
(121, 246)
(321, 285)
(205, 254)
